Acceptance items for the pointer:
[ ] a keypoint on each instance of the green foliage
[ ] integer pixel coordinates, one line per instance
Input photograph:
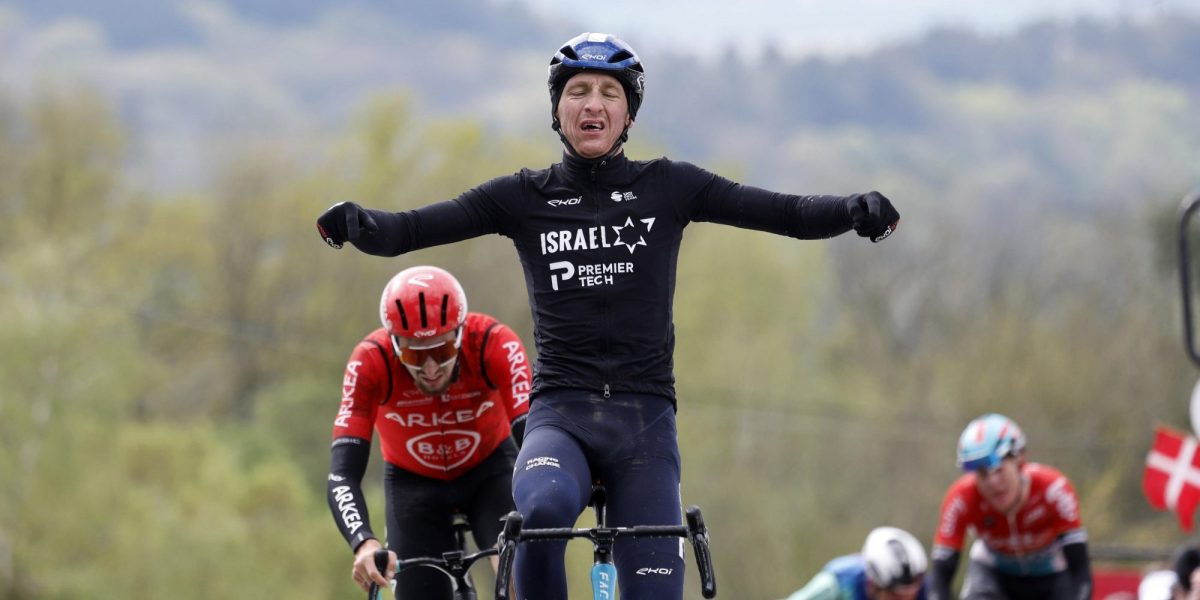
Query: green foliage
(166, 509)
(172, 365)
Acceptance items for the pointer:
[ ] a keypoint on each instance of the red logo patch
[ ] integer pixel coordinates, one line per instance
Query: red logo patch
(444, 450)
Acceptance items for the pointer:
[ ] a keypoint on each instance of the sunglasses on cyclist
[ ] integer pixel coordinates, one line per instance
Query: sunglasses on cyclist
(415, 352)
(986, 464)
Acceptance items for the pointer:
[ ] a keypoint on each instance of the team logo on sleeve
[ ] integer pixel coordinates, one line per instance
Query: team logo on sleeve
(1063, 500)
(349, 383)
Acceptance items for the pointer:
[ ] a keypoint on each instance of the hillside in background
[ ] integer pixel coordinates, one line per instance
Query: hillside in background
(175, 333)
(148, 24)
(189, 74)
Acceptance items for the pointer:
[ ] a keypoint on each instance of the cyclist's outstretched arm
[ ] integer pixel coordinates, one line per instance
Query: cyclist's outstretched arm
(945, 564)
(488, 208)
(822, 587)
(1079, 568)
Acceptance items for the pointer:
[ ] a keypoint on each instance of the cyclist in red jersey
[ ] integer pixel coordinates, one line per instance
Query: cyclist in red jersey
(444, 388)
(1029, 540)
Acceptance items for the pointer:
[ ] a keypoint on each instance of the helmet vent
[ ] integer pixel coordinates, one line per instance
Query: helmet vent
(620, 56)
(424, 318)
(445, 302)
(906, 575)
(403, 317)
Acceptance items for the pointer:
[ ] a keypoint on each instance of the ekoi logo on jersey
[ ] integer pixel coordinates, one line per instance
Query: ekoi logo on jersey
(444, 450)
(631, 234)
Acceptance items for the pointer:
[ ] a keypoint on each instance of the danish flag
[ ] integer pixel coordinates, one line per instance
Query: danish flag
(1172, 477)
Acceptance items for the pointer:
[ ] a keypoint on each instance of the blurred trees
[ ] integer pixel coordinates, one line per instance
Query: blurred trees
(172, 363)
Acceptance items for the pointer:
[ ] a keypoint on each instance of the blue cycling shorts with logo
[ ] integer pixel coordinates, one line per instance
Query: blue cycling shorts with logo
(628, 443)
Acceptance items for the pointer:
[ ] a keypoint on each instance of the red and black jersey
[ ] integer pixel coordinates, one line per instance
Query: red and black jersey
(1028, 542)
(445, 435)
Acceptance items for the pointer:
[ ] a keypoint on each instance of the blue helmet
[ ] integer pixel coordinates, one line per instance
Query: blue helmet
(597, 52)
(988, 440)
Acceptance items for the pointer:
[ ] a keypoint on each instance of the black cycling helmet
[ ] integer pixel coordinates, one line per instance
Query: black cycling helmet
(596, 52)
(1187, 559)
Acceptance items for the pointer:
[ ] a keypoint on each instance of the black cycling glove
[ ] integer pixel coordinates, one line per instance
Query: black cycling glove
(872, 215)
(345, 222)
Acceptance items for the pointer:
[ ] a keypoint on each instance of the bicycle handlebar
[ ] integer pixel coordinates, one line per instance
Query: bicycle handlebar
(454, 564)
(695, 531)
(381, 563)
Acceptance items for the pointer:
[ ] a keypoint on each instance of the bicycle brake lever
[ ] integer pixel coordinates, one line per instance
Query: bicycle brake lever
(507, 541)
(698, 533)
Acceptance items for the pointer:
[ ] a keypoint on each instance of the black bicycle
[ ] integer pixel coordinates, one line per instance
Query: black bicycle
(604, 573)
(455, 564)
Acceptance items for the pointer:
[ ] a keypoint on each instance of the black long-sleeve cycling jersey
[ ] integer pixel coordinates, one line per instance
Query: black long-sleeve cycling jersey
(598, 242)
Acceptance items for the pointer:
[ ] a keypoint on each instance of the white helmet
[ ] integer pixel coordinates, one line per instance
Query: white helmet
(1157, 585)
(893, 557)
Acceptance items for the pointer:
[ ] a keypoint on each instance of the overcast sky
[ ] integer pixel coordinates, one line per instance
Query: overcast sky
(825, 26)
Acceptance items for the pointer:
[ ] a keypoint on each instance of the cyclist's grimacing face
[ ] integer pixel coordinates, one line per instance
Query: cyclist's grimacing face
(430, 362)
(1001, 486)
(593, 112)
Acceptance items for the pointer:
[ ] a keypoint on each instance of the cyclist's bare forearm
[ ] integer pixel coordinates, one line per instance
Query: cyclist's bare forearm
(822, 587)
(347, 464)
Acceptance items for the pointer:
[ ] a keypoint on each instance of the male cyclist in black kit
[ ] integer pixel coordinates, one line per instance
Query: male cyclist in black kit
(598, 236)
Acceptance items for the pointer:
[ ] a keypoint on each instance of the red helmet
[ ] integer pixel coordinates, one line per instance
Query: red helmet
(424, 303)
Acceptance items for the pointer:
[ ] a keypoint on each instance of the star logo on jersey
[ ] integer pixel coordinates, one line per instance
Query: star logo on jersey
(627, 232)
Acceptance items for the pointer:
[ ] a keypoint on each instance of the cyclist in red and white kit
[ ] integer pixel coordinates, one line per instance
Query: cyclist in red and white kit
(444, 388)
(1029, 540)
